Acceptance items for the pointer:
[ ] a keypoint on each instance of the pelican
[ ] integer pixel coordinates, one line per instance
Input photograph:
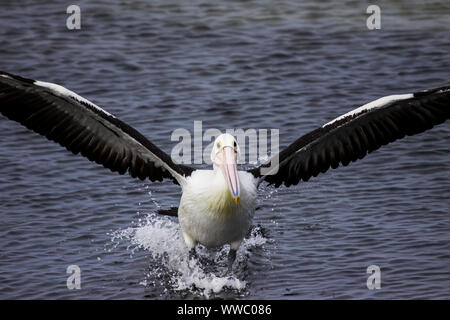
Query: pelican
(216, 206)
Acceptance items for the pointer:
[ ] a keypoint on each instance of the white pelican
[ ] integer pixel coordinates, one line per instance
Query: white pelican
(216, 206)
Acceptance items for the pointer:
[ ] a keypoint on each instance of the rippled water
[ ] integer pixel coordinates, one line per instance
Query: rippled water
(293, 65)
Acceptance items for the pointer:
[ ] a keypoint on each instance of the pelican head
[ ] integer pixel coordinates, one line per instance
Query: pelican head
(224, 155)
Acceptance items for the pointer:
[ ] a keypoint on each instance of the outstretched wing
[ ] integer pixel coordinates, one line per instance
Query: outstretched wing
(353, 135)
(82, 127)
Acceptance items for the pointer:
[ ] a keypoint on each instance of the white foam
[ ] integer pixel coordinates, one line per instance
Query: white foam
(162, 238)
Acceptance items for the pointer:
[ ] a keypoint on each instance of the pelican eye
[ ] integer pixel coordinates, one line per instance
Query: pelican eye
(235, 145)
(219, 145)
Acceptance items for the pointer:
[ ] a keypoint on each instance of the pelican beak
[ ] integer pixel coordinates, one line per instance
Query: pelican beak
(229, 170)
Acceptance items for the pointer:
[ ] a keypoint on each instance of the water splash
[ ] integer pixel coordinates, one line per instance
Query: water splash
(204, 275)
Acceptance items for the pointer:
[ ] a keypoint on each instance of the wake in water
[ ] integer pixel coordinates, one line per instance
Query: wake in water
(204, 275)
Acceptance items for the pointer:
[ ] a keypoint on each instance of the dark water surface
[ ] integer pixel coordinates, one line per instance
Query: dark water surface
(290, 65)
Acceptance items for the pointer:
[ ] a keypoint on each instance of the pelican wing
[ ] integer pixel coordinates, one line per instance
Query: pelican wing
(82, 127)
(353, 135)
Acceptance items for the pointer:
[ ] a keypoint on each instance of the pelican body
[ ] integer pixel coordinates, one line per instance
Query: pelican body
(216, 206)
(209, 215)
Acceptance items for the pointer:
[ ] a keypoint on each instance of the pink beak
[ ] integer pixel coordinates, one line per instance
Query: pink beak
(229, 169)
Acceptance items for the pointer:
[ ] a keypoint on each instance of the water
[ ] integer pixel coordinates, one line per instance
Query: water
(293, 65)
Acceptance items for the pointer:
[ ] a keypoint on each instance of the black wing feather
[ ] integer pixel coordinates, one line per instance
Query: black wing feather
(84, 128)
(353, 137)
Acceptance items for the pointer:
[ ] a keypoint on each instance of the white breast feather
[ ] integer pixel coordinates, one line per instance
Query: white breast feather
(208, 213)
